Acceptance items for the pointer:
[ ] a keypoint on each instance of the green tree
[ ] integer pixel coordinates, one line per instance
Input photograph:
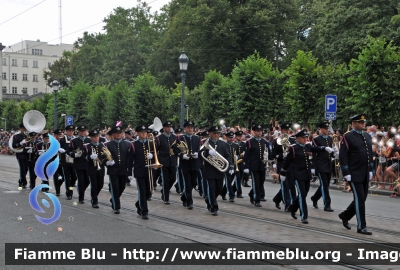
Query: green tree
(97, 104)
(119, 106)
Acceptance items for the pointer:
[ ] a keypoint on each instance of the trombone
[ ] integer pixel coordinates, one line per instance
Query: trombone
(150, 166)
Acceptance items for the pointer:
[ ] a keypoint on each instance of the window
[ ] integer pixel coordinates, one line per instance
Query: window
(49, 64)
(35, 64)
(24, 77)
(24, 63)
(14, 90)
(24, 90)
(14, 76)
(14, 62)
(35, 78)
(4, 76)
(35, 91)
(4, 61)
(37, 51)
(4, 88)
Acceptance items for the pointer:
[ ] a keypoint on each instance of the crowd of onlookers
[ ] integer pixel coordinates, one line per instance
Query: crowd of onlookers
(4, 137)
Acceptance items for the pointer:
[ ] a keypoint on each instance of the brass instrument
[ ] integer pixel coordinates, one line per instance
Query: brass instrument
(156, 165)
(96, 161)
(183, 147)
(237, 161)
(78, 151)
(283, 140)
(338, 170)
(105, 152)
(218, 161)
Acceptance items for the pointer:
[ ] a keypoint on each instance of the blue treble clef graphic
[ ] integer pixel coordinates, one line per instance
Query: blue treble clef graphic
(45, 167)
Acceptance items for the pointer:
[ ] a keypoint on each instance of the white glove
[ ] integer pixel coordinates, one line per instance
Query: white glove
(93, 156)
(212, 152)
(30, 151)
(370, 176)
(348, 178)
(231, 172)
(332, 159)
(149, 156)
(329, 150)
(41, 152)
(246, 171)
(283, 178)
(284, 154)
(185, 157)
(61, 150)
(110, 162)
(130, 178)
(274, 166)
(22, 142)
(313, 171)
(78, 155)
(195, 155)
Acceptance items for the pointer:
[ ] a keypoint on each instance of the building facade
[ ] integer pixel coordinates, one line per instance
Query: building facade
(23, 65)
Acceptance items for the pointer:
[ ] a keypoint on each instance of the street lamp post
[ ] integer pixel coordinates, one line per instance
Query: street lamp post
(187, 112)
(65, 119)
(55, 85)
(5, 124)
(183, 65)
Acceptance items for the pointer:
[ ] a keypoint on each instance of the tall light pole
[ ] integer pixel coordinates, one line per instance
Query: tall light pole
(183, 65)
(55, 85)
(187, 112)
(5, 124)
(65, 119)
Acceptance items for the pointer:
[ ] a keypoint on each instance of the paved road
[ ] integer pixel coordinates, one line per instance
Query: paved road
(238, 222)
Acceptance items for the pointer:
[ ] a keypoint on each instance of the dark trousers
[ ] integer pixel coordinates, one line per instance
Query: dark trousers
(357, 206)
(323, 189)
(189, 182)
(203, 188)
(179, 181)
(96, 184)
(245, 178)
(144, 193)
(69, 180)
(168, 177)
(300, 201)
(58, 179)
(227, 189)
(127, 179)
(23, 170)
(287, 192)
(257, 191)
(117, 185)
(213, 190)
(157, 175)
(32, 175)
(237, 187)
(83, 183)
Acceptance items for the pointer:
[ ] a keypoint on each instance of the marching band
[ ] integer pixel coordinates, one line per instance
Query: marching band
(205, 162)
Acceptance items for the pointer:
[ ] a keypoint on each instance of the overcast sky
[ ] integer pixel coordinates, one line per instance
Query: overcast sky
(41, 21)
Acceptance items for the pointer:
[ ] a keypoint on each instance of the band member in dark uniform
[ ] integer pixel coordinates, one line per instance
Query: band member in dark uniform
(142, 158)
(254, 165)
(78, 151)
(119, 167)
(287, 193)
(128, 138)
(240, 175)
(58, 178)
(96, 169)
(203, 181)
(215, 178)
(355, 157)
(40, 149)
(230, 174)
(67, 162)
(31, 153)
(189, 163)
(18, 142)
(298, 156)
(323, 167)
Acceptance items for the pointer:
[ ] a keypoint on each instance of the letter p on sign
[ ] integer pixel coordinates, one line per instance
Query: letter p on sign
(330, 103)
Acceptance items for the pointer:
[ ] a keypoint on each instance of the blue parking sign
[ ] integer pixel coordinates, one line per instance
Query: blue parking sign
(69, 120)
(330, 103)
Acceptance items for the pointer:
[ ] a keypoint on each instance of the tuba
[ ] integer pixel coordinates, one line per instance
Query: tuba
(218, 161)
(34, 121)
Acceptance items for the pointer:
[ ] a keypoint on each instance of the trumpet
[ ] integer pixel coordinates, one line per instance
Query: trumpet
(96, 161)
(105, 152)
(237, 161)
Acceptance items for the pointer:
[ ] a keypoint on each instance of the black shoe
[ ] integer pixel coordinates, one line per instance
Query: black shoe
(184, 204)
(224, 198)
(139, 212)
(364, 231)
(345, 222)
(293, 214)
(149, 199)
(69, 198)
(190, 207)
(257, 204)
(277, 205)
(95, 206)
(166, 202)
(328, 209)
(315, 204)
(116, 211)
(128, 184)
(81, 202)
(263, 200)
(239, 196)
(58, 194)
(304, 221)
(214, 213)
(145, 217)
(231, 200)
(23, 186)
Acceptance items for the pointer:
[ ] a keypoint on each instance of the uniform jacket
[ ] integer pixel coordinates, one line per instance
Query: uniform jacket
(209, 171)
(165, 156)
(193, 144)
(254, 154)
(17, 139)
(80, 163)
(92, 168)
(122, 154)
(64, 144)
(140, 150)
(322, 160)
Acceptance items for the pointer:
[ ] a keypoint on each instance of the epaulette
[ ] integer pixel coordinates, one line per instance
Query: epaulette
(292, 145)
(347, 132)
